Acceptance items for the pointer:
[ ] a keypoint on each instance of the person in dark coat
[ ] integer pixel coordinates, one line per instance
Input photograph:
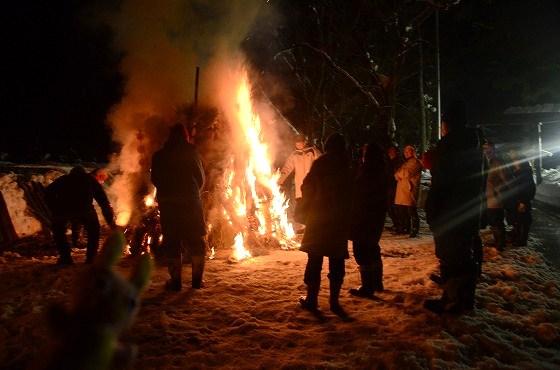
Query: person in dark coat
(523, 189)
(369, 204)
(453, 211)
(70, 199)
(395, 162)
(178, 176)
(326, 209)
(100, 176)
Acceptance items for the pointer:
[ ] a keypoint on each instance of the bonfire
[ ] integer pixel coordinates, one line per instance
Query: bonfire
(246, 209)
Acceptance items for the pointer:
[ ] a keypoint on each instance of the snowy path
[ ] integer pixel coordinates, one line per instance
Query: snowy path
(247, 316)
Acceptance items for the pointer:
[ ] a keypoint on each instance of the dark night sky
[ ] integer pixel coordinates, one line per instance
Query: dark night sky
(60, 75)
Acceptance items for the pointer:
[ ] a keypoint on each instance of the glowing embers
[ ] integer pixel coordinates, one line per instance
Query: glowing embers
(150, 199)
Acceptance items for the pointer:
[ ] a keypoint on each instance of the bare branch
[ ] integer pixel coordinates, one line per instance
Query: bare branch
(341, 70)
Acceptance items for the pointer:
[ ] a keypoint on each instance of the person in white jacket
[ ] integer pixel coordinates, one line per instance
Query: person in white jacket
(406, 196)
(299, 162)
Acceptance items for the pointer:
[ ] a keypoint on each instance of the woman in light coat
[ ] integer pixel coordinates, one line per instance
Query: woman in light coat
(406, 196)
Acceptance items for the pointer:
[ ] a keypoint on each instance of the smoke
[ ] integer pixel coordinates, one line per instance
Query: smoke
(162, 43)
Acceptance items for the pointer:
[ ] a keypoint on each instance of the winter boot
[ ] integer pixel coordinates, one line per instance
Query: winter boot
(65, 260)
(175, 268)
(335, 306)
(378, 276)
(311, 301)
(469, 294)
(499, 237)
(197, 271)
(367, 288)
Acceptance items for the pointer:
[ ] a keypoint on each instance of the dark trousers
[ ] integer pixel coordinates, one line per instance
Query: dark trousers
(195, 246)
(392, 210)
(459, 253)
(91, 225)
(312, 276)
(495, 217)
(521, 225)
(409, 220)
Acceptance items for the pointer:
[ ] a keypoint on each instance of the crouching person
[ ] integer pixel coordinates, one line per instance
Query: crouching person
(178, 176)
(70, 199)
(369, 203)
(325, 207)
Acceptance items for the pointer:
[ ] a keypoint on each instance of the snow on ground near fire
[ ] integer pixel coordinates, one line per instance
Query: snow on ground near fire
(247, 315)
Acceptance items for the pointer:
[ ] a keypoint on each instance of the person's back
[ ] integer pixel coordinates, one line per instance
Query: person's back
(327, 187)
(326, 204)
(70, 198)
(177, 174)
(71, 194)
(455, 194)
(453, 212)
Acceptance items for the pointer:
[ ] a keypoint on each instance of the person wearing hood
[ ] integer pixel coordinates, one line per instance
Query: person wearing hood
(70, 199)
(325, 208)
(178, 176)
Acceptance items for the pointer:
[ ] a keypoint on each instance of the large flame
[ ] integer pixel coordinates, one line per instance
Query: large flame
(251, 186)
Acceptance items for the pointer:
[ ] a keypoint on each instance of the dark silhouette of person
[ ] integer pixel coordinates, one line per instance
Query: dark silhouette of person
(369, 204)
(395, 161)
(326, 209)
(70, 199)
(178, 176)
(453, 210)
(523, 191)
(100, 175)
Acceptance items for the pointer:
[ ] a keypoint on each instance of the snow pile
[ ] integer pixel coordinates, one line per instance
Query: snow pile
(23, 222)
(549, 190)
(247, 316)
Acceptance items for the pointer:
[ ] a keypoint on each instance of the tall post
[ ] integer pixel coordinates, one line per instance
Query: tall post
(421, 93)
(539, 163)
(197, 73)
(192, 131)
(438, 79)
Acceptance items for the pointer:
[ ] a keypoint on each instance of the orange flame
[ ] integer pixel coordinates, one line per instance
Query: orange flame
(256, 192)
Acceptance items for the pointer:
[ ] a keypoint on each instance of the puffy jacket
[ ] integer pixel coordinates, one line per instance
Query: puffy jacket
(299, 162)
(408, 182)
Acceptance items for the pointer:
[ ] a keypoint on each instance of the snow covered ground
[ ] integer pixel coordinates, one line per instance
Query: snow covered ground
(548, 191)
(247, 316)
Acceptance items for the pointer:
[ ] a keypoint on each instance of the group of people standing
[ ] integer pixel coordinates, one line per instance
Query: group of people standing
(337, 202)
(467, 183)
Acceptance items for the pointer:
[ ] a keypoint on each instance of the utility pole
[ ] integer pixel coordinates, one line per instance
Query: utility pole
(438, 79)
(421, 93)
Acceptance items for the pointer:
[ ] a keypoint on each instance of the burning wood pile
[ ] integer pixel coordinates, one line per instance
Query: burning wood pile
(246, 210)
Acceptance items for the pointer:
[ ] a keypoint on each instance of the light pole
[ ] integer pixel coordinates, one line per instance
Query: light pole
(438, 78)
